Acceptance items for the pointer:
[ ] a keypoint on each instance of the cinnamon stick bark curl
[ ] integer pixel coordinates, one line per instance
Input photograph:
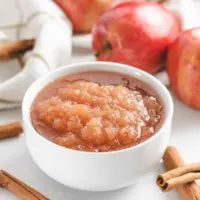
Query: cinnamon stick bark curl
(19, 188)
(172, 160)
(10, 130)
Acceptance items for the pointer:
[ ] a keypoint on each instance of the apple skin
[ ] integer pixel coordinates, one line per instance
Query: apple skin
(83, 13)
(183, 67)
(136, 34)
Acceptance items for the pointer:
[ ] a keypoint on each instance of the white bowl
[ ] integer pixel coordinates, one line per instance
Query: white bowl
(101, 171)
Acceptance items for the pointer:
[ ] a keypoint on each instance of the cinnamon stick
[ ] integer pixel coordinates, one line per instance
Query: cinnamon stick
(167, 185)
(181, 171)
(172, 160)
(178, 176)
(14, 49)
(19, 188)
(10, 130)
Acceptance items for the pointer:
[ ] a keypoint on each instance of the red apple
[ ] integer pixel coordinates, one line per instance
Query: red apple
(84, 13)
(135, 33)
(183, 66)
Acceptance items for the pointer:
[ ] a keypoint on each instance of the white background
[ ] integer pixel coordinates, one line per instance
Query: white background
(14, 158)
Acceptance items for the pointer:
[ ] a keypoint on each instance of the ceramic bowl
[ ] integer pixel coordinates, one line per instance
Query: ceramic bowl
(97, 171)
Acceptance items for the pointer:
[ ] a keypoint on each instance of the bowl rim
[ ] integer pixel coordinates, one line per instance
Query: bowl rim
(27, 106)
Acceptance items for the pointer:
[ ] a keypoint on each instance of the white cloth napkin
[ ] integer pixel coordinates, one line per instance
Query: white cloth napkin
(43, 20)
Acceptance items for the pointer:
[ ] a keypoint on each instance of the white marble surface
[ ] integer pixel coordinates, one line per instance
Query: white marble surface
(15, 158)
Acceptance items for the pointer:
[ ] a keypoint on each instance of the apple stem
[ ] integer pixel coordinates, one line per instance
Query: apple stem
(106, 47)
(162, 1)
(158, 1)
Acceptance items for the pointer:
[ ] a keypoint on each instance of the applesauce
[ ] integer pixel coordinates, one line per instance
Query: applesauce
(97, 111)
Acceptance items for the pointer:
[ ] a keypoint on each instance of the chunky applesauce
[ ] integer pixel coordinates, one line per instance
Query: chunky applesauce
(97, 111)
